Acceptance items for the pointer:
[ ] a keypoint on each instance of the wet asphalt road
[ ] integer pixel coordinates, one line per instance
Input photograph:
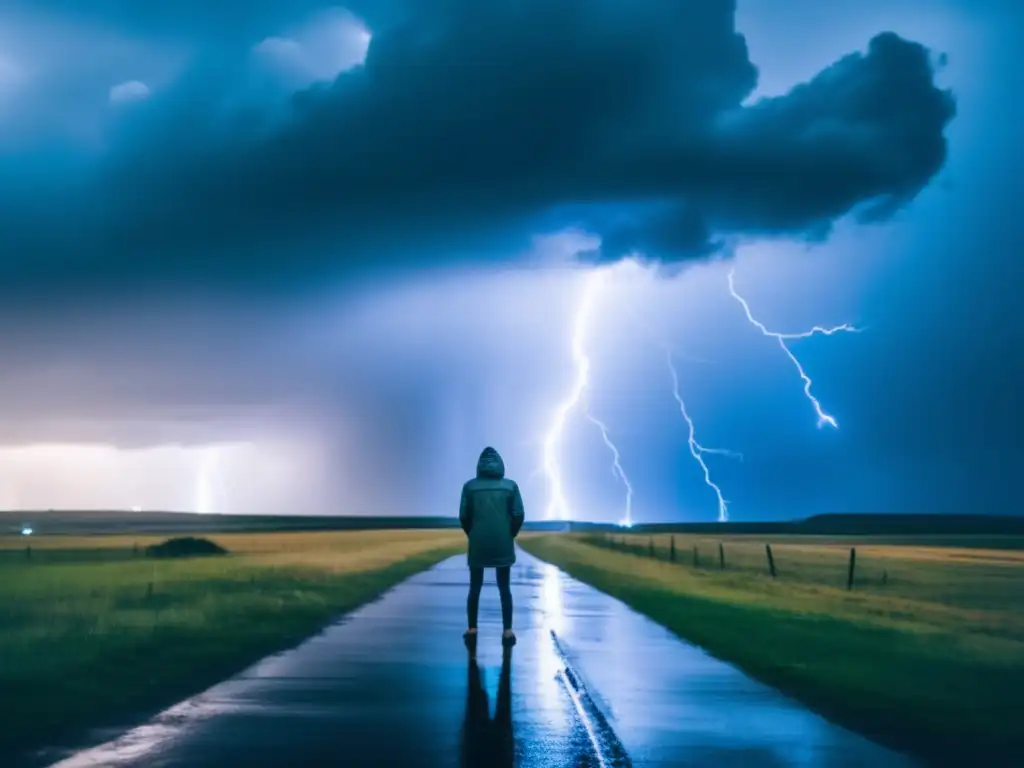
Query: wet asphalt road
(590, 683)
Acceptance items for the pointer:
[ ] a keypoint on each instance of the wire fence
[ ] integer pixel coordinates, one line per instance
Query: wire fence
(954, 575)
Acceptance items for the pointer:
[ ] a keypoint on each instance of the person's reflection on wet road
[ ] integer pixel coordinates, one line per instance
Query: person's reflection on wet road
(485, 741)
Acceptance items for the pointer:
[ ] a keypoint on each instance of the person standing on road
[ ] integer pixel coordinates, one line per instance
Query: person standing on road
(491, 514)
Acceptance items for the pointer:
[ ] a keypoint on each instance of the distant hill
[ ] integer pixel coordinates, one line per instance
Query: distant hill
(914, 524)
(850, 525)
(87, 522)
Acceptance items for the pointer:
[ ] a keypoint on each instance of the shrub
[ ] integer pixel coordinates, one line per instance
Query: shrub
(185, 546)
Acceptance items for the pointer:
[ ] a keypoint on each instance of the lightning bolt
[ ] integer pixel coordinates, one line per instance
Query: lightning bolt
(557, 506)
(823, 417)
(697, 450)
(211, 495)
(617, 470)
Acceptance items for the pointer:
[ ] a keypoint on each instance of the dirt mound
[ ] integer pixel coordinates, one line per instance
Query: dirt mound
(185, 546)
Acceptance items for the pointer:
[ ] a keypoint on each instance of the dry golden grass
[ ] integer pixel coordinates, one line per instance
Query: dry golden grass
(938, 587)
(248, 543)
(334, 551)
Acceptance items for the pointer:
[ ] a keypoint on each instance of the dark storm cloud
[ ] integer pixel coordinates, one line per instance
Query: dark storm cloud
(469, 126)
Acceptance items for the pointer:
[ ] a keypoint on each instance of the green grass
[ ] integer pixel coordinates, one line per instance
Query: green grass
(93, 632)
(931, 661)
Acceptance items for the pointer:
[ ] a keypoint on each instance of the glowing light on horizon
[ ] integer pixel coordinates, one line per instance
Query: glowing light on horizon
(823, 417)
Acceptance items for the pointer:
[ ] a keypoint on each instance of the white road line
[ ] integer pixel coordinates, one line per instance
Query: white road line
(588, 726)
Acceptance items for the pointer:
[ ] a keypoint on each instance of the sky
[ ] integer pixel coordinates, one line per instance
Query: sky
(298, 258)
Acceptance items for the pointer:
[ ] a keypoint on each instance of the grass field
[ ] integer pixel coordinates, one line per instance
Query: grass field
(925, 653)
(93, 631)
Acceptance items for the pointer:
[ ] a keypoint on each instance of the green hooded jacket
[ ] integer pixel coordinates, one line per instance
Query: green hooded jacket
(491, 513)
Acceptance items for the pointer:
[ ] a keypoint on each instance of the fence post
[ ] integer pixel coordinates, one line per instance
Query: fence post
(149, 589)
(672, 549)
(650, 547)
(853, 564)
(28, 552)
(721, 556)
(696, 557)
(771, 560)
(885, 578)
